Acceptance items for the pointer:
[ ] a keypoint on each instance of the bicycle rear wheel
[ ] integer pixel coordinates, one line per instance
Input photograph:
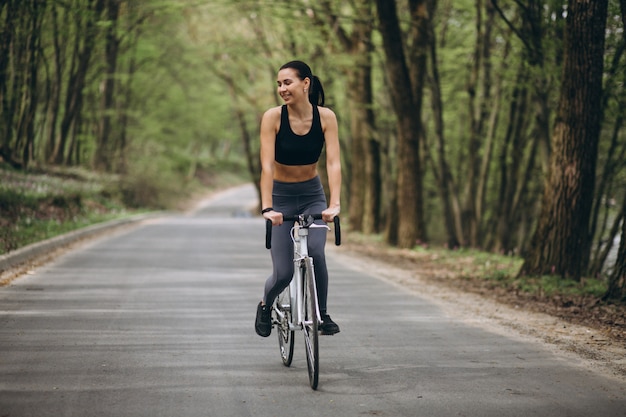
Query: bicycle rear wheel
(311, 323)
(282, 318)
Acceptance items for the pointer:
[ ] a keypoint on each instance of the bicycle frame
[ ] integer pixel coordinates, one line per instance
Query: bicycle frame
(299, 235)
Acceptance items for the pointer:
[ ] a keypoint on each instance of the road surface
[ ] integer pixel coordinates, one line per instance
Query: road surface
(158, 320)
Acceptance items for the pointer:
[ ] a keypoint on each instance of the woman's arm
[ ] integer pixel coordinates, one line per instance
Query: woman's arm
(269, 124)
(333, 162)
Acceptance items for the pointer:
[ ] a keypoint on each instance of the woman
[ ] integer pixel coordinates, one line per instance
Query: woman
(292, 137)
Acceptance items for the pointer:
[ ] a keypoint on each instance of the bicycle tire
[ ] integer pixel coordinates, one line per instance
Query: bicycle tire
(283, 321)
(311, 323)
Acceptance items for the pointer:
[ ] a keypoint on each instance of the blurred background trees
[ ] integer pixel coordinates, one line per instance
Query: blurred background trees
(454, 115)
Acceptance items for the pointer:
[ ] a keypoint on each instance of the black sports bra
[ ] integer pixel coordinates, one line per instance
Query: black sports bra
(292, 149)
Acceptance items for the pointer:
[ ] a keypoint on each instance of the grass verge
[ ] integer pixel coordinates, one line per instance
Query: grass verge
(41, 204)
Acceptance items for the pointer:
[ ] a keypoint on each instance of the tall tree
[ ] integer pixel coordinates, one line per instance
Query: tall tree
(84, 44)
(105, 146)
(11, 77)
(612, 156)
(562, 233)
(407, 225)
(441, 166)
(55, 79)
(479, 93)
(29, 100)
(617, 279)
(525, 150)
(355, 38)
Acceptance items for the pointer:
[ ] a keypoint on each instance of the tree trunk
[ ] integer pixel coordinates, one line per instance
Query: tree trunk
(562, 234)
(55, 86)
(10, 79)
(7, 31)
(617, 280)
(614, 158)
(510, 160)
(127, 103)
(443, 175)
(364, 171)
(37, 11)
(408, 217)
(529, 108)
(76, 84)
(357, 181)
(479, 92)
(105, 149)
(365, 180)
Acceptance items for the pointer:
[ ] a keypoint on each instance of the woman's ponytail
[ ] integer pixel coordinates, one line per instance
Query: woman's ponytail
(316, 96)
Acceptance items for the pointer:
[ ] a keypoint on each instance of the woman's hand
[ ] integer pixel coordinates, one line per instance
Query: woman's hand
(274, 216)
(329, 214)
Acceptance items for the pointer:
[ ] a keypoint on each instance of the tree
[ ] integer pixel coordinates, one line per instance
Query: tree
(364, 183)
(441, 165)
(84, 44)
(617, 279)
(562, 233)
(406, 221)
(105, 148)
(612, 155)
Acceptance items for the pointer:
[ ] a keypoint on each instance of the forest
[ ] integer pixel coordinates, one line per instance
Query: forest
(489, 124)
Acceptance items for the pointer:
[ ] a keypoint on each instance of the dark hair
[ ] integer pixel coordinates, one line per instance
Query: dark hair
(316, 92)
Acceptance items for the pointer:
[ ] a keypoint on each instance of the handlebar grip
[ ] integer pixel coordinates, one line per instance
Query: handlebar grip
(337, 231)
(268, 234)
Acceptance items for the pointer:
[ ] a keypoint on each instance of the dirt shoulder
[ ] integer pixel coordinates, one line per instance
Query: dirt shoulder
(589, 333)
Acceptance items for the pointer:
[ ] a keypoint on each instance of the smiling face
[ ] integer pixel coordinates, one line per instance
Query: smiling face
(290, 87)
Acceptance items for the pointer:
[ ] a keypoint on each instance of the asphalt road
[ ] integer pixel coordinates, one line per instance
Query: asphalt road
(158, 321)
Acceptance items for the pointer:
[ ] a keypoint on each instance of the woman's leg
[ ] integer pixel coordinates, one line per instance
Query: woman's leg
(282, 260)
(284, 200)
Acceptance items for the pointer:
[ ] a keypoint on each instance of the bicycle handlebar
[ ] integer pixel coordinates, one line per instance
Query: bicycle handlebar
(308, 220)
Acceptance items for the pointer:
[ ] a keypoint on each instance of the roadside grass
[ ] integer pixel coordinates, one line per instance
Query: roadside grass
(44, 203)
(503, 271)
(486, 270)
(35, 206)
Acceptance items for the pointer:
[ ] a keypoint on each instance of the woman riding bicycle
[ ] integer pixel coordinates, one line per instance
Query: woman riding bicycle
(292, 138)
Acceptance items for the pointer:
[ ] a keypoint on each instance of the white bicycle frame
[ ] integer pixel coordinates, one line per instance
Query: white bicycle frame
(299, 236)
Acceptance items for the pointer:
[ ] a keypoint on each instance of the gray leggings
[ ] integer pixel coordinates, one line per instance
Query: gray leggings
(291, 198)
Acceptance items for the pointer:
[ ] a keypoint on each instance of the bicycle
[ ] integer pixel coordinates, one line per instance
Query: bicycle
(296, 307)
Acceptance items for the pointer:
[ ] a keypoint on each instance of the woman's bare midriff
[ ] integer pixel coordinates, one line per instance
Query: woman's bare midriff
(296, 173)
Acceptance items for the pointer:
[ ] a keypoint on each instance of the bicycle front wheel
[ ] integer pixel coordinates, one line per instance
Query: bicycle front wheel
(311, 323)
(282, 313)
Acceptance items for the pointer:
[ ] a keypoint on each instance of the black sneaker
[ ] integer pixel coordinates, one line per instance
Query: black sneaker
(328, 326)
(263, 322)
